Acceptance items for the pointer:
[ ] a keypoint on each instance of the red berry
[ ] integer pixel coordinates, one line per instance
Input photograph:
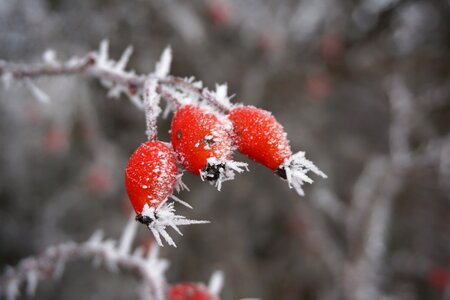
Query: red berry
(55, 140)
(98, 181)
(219, 12)
(260, 136)
(189, 291)
(439, 278)
(198, 134)
(318, 86)
(150, 175)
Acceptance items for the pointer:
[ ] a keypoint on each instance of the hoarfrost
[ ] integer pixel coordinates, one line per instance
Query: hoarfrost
(297, 167)
(226, 168)
(164, 216)
(162, 68)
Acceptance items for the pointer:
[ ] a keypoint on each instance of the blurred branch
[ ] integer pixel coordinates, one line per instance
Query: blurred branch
(113, 76)
(52, 262)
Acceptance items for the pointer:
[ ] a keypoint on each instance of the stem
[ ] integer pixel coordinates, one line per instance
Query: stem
(47, 264)
(201, 92)
(151, 107)
(88, 66)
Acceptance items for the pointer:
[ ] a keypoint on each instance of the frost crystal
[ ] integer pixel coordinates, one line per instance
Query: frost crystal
(163, 216)
(7, 80)
(40, 95)
(151, 106)
(162, 68)
(180, 185)
(49, 57)
(226, 170)
(221, 95)
(216, 283)
(296, 168)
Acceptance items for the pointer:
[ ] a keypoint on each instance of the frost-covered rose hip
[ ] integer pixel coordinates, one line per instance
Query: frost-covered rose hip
(189, 291)
(259, 136)
(150, 175)
(150, 178)
(203, 143)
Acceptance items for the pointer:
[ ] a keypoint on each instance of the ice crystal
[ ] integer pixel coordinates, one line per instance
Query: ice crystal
(226, 169)
(162, 68)
(163, 216)
(296, 168)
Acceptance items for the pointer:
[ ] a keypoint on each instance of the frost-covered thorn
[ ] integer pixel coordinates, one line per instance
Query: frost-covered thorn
(181, 186)
(122, 62)
(127, 236)
(162, 67)
(7, 79)
(295, 168)
(96, 238)
(215, 284)
(151, 106)
(49, 57)
(175, 198)
(163, 216)
(221, 95)
(218, 171)
(220, 104)
(40, 95)
(12, 289)
(32, 281)
(103, 52)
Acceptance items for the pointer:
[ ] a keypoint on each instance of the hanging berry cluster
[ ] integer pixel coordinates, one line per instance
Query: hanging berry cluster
(205, 132)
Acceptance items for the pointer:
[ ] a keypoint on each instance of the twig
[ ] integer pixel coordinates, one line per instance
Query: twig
(51, 263)
(112, 74)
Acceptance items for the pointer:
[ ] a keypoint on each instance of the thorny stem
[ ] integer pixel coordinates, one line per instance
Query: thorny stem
(48, 264)
(201, 92)
(151, 107)
(87, 65)
(21, 71)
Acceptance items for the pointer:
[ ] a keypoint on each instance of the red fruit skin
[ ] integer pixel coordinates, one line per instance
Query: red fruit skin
(439, 278)
(197, 135)
(189, 291)
(150, 175)
(219, 12)
(259, 136)
(98, 181)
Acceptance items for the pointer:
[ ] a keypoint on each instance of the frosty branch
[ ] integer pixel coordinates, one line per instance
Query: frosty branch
(206, 130)
(113, 75)
(114, 255)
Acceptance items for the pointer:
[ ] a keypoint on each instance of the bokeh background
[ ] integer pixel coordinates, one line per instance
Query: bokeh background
(361, 85)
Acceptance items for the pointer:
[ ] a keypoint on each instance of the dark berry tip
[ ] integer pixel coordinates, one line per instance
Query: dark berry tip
(281, 171)
(143, 219)
(213, 171)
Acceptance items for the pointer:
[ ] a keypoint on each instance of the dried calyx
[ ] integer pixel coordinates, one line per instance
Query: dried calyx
(221, 170)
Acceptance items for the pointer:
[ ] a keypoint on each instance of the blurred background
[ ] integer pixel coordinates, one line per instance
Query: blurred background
(361, 85)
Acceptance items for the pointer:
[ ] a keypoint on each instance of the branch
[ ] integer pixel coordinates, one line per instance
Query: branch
(51, 264)
(113, 76)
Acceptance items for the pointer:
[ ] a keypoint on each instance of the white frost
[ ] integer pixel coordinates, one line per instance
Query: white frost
(151, 106)
(226, 173)
(163, 216)
(216, 283)
(180, 185)
(162, 68)
(128, 236)
(297, 167)
(39, 94)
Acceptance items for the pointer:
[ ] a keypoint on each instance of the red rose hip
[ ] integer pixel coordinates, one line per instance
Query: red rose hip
(189, 291)
(203, 143)
(150, 175)
(259, 136)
